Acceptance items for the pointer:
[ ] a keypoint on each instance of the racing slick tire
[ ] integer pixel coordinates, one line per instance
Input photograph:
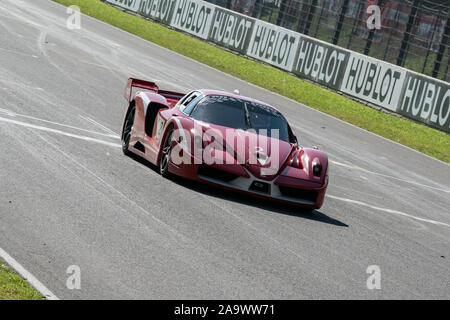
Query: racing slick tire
(127, 129)
(165, 155)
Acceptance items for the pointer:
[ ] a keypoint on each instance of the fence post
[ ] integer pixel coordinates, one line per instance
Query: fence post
(371, 33)
(281, 12)
(386, 49)
(430, 44)
(355, 24)
(412, 17)
(312, 11)
(320, 19)
(446, 69)
(257, 9)
(442, 47)
(340, 22)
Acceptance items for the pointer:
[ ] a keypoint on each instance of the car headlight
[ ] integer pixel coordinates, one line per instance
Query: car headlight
(296, 159)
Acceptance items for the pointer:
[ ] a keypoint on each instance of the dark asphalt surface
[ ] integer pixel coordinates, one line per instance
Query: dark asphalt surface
(69, 197)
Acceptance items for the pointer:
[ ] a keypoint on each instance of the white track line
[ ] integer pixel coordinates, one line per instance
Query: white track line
(389, 211)
(18, 52)
(112, 133)
(387, 176)
(24, 124)
(13, 114)
(27, 276)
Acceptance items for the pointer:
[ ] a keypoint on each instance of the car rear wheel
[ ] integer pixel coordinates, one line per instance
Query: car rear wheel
(127, 129)
(165, 155)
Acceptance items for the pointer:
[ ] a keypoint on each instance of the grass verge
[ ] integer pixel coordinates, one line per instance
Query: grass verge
(13, 287)
(420, 137)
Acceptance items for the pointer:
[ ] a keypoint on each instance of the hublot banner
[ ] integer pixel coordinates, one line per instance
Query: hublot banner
(273, 45)
(320, 62)
(132, 5)
(426, 100)
(193, 17)
(231, 30)
(160, 10)
(374, 81)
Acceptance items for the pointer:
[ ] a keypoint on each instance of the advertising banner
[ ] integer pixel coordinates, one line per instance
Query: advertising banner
(426, 100)
(320, 62)
(132, 5)
(159, 10)
(274, 45)
(231, 30)
(374, 81)
(193, 16)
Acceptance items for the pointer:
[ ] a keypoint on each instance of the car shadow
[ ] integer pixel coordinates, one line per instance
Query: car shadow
(256, 202)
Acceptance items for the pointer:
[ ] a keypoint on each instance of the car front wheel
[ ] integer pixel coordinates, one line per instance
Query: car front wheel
(165, 155)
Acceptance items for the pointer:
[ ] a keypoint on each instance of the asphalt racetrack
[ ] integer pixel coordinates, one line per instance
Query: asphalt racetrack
(68, 196)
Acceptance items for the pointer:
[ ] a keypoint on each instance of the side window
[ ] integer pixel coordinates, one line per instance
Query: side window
(186, 100)
(190, 103)
(181, 102)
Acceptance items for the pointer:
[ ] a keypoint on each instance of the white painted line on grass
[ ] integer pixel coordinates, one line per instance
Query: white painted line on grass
(27, 276)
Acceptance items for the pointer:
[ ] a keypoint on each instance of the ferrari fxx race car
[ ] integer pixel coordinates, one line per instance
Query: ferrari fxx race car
(223, 139)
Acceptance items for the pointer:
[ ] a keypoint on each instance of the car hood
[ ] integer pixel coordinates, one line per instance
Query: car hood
(260, 155)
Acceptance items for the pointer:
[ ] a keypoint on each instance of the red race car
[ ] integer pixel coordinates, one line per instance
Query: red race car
(223, 139)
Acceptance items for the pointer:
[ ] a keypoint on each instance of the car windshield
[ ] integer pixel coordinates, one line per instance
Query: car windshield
(241, 114)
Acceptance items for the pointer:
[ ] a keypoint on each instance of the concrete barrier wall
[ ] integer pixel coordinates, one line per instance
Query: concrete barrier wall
(393, 88)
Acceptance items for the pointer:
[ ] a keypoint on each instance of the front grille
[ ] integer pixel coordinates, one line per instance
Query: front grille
(214, 173)
(300, 194)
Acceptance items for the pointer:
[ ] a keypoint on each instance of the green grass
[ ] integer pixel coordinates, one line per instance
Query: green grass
(420, 137)
(13, 287)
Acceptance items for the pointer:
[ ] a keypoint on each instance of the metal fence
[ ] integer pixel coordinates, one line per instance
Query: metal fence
(413, 34)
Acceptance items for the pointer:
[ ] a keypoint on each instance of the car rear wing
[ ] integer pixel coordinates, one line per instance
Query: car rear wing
(171, 96)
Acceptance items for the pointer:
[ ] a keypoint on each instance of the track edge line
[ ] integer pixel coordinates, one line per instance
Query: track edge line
(24, 273)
